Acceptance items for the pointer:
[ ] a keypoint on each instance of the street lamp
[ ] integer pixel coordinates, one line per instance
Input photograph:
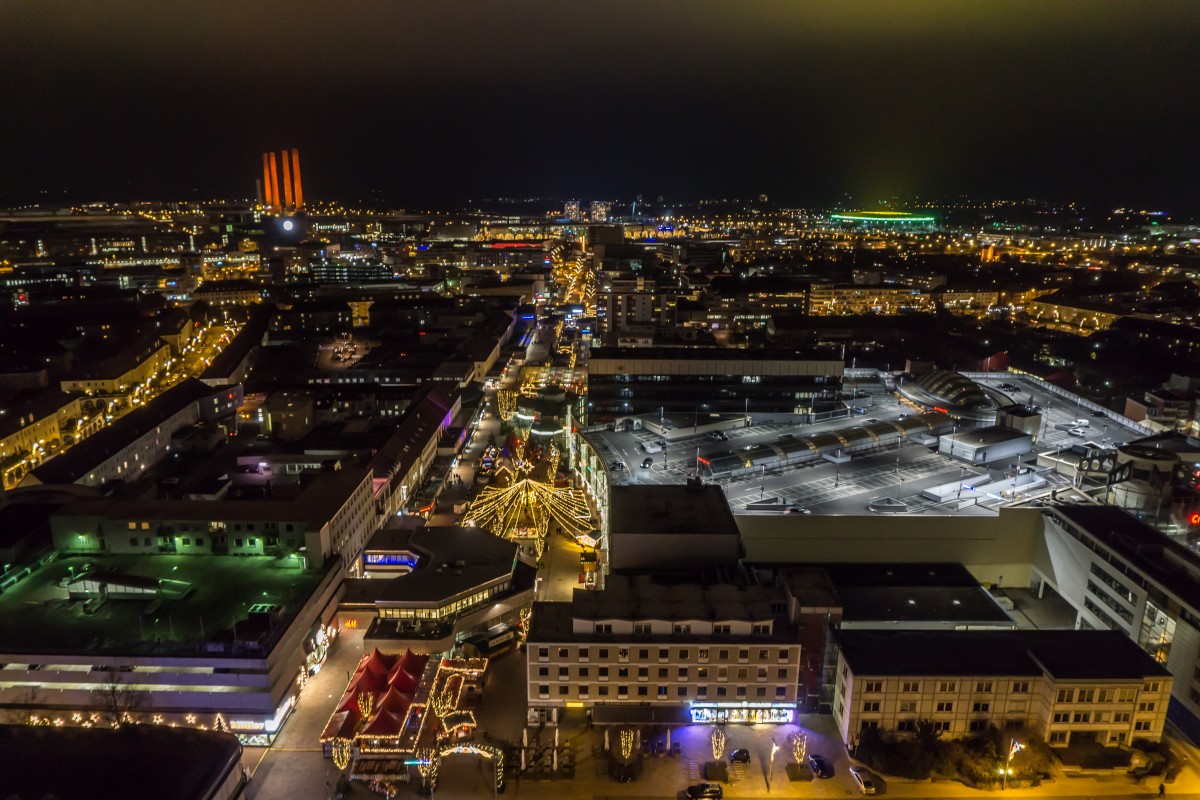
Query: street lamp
(1013, 748)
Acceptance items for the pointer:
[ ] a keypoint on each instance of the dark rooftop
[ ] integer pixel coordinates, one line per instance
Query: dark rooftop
(451, 560)
(670, 509)
(912, 592)
(37, 617)
(1069, 655)
(140, 761)
(705, 354)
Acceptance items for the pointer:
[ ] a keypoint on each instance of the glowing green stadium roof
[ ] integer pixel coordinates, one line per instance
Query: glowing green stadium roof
(885, 217)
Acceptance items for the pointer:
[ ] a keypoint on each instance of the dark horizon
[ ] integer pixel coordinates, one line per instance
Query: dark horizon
(432, 103)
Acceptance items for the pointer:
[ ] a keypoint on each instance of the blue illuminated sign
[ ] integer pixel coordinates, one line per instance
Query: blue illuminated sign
(390, 559)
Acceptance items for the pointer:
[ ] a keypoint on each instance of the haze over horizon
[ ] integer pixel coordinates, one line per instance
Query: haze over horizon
(417, 102)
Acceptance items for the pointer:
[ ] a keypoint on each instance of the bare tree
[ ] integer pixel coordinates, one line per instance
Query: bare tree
(116, 702)
(23, 708)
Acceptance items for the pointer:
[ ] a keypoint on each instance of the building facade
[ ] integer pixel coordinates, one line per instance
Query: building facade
(681, 654)
(1063, 686)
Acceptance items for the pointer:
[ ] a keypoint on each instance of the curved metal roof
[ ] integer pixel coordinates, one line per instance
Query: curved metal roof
(957, 390)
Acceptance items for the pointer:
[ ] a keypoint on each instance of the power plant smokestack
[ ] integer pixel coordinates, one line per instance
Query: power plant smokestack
(258, 192)
(274, 182)
(296, 177)
(287, 180)
(266, 183)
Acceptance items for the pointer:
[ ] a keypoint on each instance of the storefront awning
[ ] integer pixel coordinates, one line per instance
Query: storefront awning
(616, 714)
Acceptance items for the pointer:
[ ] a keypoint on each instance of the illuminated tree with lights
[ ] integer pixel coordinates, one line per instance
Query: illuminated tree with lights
(799, 744)
(627, 738)
(366, 702)
(506, 403)
(717, 739)
(341, 753)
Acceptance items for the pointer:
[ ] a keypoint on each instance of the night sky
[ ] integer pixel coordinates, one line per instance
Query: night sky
(414, 102)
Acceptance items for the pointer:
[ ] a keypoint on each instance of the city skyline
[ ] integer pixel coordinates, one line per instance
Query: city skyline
(402, 104)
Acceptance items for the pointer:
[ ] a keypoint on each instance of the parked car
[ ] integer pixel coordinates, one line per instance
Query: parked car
(647, 462)
(1077, 432)
(705, 790)
(740, 756)
(820, 766)
(863, 780)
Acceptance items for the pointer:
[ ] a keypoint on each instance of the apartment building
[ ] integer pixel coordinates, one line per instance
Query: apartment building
(1065, 686)
(641, 650)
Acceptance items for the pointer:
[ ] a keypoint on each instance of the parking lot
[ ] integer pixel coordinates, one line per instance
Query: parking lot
(897, 472)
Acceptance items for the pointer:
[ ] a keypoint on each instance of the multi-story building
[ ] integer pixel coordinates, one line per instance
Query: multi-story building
(1064, 686)
(624, 381)
(217, 642)
(407, 598)
(642, 651)
(1121, 574)
(331, 516)
(600, 210)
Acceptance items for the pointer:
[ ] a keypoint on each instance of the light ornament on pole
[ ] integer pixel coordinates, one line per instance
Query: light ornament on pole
(1013, 748)
(366, 703)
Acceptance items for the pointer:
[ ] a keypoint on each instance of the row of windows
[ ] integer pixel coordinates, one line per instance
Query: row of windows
(943, 707)
(663, 653)
(1089, 717)
(1122, 591)
(237, 526)
(1121, 611)
(1103, 695)
(944, 687)
(458, 606)
(643, 673)
(1093, 607)
(661, 692)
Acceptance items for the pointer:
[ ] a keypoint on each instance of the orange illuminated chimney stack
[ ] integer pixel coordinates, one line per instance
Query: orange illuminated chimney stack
(274, 193)
(268, 201)
(299, 194)
(287, 181)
